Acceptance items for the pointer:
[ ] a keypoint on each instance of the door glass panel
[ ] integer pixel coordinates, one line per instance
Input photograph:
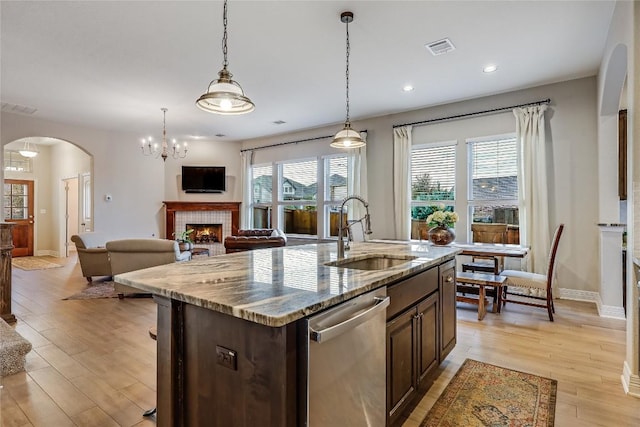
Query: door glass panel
(16, 201)
(17, 213)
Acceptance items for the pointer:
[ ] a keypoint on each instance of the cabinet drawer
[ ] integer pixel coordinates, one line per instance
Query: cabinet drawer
(407, 292)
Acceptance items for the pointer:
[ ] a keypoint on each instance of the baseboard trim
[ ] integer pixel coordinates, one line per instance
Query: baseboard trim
(609, 311)
(630, 382)
(47, 253)
(577, 295)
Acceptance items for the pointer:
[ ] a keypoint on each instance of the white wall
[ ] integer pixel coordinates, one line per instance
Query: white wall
(138, 184)
(572, 163)
(206, 153)
(624, 33)
(67, 161)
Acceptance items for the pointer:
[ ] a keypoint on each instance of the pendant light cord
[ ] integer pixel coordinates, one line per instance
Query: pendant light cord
(348, 121)
(224, 36)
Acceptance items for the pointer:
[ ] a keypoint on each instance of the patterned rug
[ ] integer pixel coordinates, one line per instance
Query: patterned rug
(96, 290)
(34, 263)
(487, 395)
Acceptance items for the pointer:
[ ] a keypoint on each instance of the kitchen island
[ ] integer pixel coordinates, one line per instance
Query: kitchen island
(231, 335)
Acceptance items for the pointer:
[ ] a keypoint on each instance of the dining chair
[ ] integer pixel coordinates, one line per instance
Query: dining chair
(533, 282)
(486, 233)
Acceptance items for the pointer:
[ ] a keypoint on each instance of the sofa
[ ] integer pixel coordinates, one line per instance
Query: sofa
(256, 238)
(135, 254)
(92, 254)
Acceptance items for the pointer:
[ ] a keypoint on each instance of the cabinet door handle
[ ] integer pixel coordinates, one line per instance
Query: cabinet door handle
(449, 279)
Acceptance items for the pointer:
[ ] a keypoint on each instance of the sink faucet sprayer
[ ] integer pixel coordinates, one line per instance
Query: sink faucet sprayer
(366, 218)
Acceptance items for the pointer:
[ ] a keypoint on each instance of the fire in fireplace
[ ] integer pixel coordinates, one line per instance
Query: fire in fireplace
(205, 233)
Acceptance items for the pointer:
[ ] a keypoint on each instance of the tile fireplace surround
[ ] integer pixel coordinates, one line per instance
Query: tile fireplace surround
(179, 214)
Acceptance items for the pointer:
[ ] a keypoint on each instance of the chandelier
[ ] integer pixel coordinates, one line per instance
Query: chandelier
(224, 95)
(28, 150)
(149, 148)
(347, 137)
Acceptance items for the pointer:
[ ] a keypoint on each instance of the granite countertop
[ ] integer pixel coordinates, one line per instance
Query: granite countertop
(280, 285)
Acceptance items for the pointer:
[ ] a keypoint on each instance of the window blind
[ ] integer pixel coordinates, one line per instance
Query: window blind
(433, 172)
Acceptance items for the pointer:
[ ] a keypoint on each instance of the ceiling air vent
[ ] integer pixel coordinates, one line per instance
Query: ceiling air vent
(440, 47)
(18, 109)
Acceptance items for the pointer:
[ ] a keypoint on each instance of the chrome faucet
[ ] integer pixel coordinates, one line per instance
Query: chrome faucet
(366, 219)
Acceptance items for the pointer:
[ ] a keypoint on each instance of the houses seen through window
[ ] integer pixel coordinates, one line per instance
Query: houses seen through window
(305, 187)
(493, 184)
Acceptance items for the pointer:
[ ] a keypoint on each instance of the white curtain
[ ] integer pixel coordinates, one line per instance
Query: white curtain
(532, 184)
(357, 183)
(402, 181)
(246, 160)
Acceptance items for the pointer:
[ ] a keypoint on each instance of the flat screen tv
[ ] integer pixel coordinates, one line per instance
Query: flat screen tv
(203, 179)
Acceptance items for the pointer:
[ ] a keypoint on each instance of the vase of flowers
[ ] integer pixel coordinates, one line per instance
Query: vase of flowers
(184, 240)
(441, 223)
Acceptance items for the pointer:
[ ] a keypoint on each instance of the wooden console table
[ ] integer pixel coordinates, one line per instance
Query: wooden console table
(6, 246)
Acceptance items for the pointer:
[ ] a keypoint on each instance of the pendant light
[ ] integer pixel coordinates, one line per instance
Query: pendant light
(151, 149)
(224, 95)
(28, 150)
(347, 137)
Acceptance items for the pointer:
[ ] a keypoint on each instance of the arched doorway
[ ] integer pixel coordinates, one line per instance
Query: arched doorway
(55, 212)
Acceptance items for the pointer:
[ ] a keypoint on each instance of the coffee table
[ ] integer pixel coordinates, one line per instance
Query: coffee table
(200, 251)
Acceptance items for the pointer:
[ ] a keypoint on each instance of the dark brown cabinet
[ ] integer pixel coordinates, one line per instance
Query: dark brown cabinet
(427, 331)
(412, 353)
(401, 361)
(448, 318)
(421, 331)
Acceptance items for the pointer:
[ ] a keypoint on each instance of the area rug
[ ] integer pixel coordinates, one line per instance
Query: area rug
(33, 263)
(96, 290)
(481, 394)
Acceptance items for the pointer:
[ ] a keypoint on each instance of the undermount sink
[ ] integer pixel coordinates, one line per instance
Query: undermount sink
(371, 262)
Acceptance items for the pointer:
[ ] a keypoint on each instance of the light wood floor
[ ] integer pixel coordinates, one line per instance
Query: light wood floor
(93, 363)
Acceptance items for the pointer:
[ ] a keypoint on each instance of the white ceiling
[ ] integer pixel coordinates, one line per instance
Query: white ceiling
(113, 65)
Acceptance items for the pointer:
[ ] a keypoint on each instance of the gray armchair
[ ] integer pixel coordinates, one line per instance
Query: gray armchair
(135, 254)
(92, 254)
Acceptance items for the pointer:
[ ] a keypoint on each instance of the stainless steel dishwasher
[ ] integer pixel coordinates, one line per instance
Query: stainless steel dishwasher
(346, 384)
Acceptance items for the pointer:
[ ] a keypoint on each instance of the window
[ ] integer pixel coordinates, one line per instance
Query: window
(493, 183)
(433, 179)
(261, 183)
(298, 183)
(15, 162)
(309, 196)
(336, 189)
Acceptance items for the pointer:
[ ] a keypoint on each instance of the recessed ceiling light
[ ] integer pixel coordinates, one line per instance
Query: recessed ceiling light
(407, 88)
(490, 68)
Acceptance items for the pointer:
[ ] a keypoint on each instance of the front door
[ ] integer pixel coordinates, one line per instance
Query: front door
(18, 209)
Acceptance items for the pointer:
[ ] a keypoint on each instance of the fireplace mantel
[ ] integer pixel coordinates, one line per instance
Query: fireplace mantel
(179, 206)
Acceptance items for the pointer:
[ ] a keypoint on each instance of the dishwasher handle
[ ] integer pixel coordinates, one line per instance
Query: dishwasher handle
(340, 328)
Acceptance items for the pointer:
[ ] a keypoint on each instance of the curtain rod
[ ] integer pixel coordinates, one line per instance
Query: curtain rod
(478, 113)
(290, 142)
